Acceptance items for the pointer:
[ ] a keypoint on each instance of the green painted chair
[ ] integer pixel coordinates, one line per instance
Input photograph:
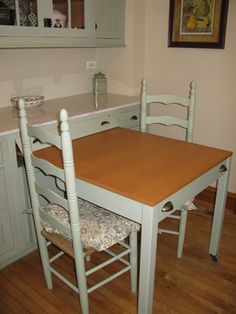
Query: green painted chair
(186, 123)
(60, 220)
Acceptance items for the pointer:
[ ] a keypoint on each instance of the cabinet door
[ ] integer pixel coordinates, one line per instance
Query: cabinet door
(16, 228)
(45, 23)
(110, 19)
(7, 242)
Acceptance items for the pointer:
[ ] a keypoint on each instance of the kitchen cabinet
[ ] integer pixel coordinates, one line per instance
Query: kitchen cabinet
(110, 22)
(61, 23)
(87, 114)
(16, 229)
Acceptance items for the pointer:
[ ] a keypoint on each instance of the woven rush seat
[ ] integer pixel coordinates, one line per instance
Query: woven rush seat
(100, 228)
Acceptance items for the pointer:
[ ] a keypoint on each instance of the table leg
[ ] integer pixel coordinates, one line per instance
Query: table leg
(147, 259)
(219, 209)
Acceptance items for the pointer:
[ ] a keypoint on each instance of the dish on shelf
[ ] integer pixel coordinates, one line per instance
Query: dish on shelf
(30, 100)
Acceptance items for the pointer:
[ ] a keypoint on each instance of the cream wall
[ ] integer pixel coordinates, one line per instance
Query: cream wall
(214, 70)
(49, 72)
(61, 72)
(125, 66)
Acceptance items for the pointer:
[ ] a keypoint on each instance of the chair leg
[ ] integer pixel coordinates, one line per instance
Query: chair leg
(133, 260)
(81, 278)
(43, 250)
(182, 228)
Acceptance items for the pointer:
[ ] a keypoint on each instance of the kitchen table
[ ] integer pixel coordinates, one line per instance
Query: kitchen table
(136, 174)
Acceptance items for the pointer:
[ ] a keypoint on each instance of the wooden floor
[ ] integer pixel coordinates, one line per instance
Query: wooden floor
(193, 284)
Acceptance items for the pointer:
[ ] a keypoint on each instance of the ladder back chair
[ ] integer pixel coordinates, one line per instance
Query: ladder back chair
(167, 120)
(76, 227)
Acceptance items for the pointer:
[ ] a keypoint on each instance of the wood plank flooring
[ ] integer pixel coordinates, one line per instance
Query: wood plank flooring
(193, 284)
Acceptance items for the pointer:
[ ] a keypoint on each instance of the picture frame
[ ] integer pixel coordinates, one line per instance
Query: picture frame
(197, 23)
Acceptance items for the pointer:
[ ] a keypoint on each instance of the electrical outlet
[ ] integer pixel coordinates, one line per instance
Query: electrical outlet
(90, 65)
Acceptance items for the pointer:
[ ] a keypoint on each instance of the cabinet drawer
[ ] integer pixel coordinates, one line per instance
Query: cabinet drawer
(129, 118)
(79, 128)
(91, 126)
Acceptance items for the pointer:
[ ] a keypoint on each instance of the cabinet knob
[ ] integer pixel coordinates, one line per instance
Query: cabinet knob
(96, 26)
(167, 207)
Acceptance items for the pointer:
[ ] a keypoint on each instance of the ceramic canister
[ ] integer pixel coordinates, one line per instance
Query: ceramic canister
(99, 83)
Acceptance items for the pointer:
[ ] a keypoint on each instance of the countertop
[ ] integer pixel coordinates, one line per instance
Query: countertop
(78, 105)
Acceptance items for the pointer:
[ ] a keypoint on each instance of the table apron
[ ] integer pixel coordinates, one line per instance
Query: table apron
(132, 209)
(192, 189)
(114, 202)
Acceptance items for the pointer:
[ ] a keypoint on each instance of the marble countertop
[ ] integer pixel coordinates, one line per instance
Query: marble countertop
(78, 105)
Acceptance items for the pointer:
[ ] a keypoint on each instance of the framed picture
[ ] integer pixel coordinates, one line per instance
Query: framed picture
(197, 23)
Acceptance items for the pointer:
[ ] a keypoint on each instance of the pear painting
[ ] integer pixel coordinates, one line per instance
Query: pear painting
(197, 16)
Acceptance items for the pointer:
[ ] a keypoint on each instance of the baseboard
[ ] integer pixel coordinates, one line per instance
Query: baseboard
(208, 195)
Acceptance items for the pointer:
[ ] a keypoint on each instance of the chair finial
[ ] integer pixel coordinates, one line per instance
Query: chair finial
(21, 103)
(21, 106)
(64, 120)
(63, 115)
(192, 88)
(144, 84)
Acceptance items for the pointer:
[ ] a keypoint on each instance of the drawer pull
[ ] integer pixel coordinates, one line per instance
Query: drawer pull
(134, 117)
(223, 168)
(167, 207)
(105, 122)
(36, 140)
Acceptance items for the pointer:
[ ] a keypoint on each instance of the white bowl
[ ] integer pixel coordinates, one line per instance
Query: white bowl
(30, 100)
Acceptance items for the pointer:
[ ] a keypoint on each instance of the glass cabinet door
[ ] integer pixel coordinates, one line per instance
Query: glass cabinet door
(53, 18)
(61, 23)
(19, 13)
(68, 14)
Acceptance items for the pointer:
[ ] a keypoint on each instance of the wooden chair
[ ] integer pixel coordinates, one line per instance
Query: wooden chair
(61, 219)
(168, 120)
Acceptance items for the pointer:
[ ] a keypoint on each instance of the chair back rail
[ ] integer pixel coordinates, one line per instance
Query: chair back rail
(165, 100)
(147, 119)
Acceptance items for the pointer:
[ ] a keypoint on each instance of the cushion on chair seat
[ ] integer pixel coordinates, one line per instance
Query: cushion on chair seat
(100, 228)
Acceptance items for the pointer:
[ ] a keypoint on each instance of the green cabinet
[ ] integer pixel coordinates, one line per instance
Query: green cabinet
(7, 239)
(110, 22)
(61, 23)
(16, 228)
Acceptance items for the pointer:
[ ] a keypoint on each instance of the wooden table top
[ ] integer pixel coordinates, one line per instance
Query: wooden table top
(144, 167)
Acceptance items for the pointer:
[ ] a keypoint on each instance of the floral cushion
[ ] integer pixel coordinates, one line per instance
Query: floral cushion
(100, 228)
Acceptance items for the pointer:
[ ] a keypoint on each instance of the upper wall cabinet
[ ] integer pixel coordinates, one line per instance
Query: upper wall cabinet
(110, 22)
(61, 23)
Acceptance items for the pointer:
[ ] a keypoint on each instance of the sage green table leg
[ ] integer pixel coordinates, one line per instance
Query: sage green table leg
(219, 209)
(147, 259)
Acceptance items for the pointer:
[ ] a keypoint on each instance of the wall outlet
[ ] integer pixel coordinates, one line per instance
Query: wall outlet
(90, 65)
